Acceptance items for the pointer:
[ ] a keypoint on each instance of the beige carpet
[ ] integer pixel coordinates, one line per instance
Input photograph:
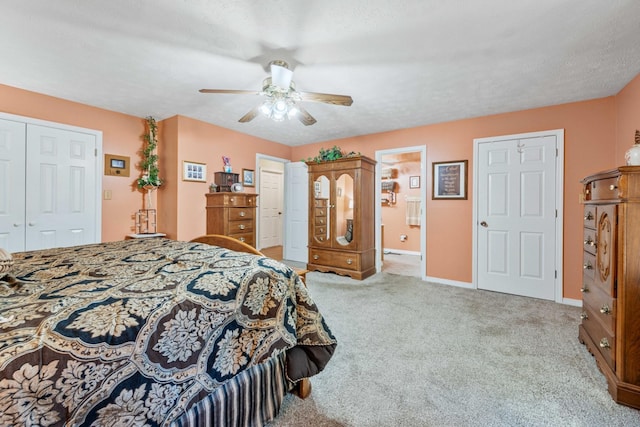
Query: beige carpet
(412, 353)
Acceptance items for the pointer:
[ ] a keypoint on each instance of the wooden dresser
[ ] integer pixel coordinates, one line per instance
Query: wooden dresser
(610, 325)
(341, 217)
(233, 215)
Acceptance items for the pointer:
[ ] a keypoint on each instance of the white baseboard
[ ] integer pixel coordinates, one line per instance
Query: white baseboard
(400, 252)
(573, 302)
(450, 282)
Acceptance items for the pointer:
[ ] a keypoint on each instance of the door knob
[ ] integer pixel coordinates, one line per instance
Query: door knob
(484, 224)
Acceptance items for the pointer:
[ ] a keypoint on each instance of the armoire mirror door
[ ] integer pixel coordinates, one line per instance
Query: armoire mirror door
(344, 204)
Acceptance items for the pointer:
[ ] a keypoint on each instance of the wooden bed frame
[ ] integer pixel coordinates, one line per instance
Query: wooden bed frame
(303, 388)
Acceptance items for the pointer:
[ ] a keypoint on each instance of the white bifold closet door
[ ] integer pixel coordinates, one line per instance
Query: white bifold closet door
(48, 187)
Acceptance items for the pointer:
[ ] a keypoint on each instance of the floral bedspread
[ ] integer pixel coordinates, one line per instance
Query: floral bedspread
(136, 332)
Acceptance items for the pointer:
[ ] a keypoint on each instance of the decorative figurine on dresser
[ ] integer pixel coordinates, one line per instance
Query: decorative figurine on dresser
(341, 216)
(610, 325)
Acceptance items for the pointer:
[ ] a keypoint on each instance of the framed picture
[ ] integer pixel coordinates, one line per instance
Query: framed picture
(248, 178)
(192, 171)
(450, 180)
(414, 182)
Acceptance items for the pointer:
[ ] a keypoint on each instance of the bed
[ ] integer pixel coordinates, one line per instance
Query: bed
(154, 332)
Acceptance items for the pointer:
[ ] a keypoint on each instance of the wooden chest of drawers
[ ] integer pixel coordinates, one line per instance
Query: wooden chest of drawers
(233, 215)
(610, 325)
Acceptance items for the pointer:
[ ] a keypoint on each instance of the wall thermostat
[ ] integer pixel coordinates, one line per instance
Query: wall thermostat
(116, 165)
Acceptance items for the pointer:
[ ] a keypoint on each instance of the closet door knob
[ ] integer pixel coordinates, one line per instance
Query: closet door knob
(17, 224)
(484, 224)
(31, 224)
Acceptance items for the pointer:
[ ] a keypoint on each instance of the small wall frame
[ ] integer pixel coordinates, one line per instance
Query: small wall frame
(193, 171)
(248, 178)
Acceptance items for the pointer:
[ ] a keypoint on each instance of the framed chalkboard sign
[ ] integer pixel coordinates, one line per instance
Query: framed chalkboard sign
(450, 180)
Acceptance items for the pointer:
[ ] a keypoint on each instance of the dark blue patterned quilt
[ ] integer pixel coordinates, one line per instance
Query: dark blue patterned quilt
(136, 332)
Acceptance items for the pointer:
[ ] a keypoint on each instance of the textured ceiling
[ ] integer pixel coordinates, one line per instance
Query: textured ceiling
(405, 63)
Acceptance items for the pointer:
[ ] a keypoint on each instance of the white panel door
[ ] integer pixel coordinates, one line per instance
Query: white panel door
(297, 212)
(12, 185)
(516, 216)
(61, 188)
(271, 208)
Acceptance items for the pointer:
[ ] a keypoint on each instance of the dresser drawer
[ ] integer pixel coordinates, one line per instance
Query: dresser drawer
(589, 216)
(601, 337)
(589, 240)
(320, 203)
(241, 200)
(236, 214)
(241, 226)
(344, 260)
(603, 306)
(604, 189)
(320, 231)
(321, 212)
(244, 237)
(588, 267)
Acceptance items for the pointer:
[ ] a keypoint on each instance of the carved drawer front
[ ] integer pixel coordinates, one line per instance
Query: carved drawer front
(348, 261)
(590, 216)
(321, 231)
(242, 226)
(604, 189)
(321, 221)
(605, 248)
(589, 242)
(588, 267)
(603, 306)
(320, 203)
(244, 237)
(236, 214)
(601, 337)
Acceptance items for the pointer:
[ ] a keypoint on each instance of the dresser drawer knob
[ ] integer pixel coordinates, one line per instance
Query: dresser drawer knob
(241, 227)
(605, 309)
(232, 199)
(241, 239)
(316, 257)
(242, 213)
(613, 187)
(349, 261)
(590, 241)
(584, 315)
(587, 266)
(584, 289)
(588, 216)
(604, 343)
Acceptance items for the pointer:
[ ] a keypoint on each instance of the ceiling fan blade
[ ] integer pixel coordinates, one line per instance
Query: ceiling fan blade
(304, 116)
(250, 115)
(281, 75)
(327, 98)
(233, 91)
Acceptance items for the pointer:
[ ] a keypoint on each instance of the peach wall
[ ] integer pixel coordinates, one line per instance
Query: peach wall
(121, 135)
(589, 146)
(202, 142)
(627, 117)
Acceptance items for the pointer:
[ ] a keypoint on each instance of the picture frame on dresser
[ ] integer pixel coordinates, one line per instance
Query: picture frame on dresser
(194, 171)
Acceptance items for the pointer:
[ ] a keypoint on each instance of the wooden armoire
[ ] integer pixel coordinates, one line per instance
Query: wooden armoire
(610, 325)
(341, 217)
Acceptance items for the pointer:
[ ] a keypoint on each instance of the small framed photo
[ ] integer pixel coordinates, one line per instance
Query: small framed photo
(192, 171)
(414, 182)
(450, 180)
(248, 176)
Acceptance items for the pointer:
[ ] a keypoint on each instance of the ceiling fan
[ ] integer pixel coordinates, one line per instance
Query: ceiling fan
(282, 100)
